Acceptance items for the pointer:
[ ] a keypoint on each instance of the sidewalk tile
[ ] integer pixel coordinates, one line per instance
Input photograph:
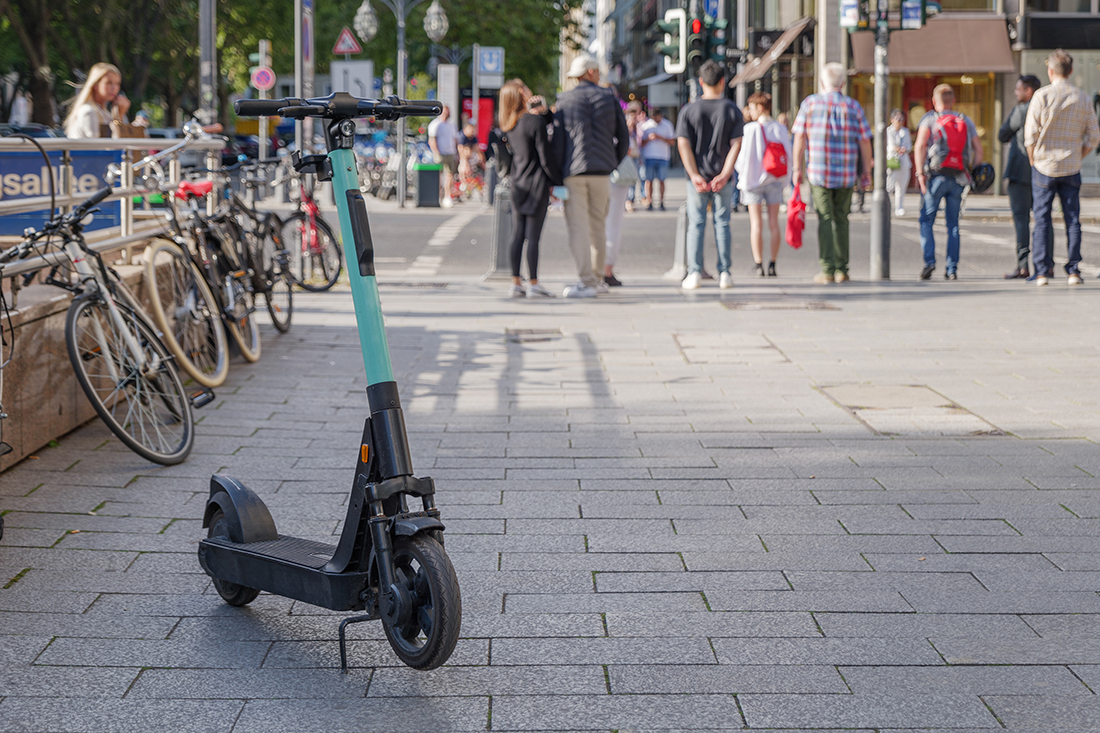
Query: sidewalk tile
(111, 715)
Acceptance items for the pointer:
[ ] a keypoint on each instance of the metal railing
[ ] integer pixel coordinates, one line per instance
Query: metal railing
(135, 227)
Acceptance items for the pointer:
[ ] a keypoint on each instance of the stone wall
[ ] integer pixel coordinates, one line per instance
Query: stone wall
(41, 394)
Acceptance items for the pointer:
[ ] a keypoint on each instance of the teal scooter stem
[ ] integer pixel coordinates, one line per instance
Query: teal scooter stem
(390, 560)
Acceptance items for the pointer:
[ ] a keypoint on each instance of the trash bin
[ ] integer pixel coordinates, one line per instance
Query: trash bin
(427, 183)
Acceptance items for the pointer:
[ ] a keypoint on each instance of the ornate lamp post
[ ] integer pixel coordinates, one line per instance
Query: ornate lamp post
(435, 25)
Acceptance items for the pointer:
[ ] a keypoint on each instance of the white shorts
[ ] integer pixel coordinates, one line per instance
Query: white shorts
(769, 193)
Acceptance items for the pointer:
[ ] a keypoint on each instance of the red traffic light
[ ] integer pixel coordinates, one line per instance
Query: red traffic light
(696, 25)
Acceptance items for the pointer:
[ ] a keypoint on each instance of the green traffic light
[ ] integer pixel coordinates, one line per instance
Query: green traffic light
(672, 28)
(670, 50)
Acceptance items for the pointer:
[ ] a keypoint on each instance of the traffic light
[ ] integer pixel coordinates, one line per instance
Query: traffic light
(716, 39)
(674, 48)
(697, 44)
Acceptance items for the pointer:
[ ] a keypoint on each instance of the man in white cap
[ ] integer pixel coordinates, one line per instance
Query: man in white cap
(595, 141)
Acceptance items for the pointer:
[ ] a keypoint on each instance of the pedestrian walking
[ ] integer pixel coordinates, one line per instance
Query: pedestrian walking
(443, 140)
(763, 171)
(633, 117)
(623, 180)
(831, 131)
(595, 140)
(534, 171)
(658, 135)
(1060, 130)
(99, 101)
(1018, 172)
(899, 168)
(708, 136)
(947, 148)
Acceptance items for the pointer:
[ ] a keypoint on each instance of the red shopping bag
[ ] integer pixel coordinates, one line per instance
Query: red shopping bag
(796, 218)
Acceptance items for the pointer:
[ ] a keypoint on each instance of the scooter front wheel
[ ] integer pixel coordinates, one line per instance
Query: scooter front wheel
(231, 593)
(427, 637)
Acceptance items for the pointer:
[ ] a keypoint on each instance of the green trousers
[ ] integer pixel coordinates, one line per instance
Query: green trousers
(832, 206)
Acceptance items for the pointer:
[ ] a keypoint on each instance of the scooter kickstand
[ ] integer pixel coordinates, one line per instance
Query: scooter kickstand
(343, 642)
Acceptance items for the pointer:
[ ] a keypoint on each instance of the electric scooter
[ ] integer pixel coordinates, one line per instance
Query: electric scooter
(390, 560)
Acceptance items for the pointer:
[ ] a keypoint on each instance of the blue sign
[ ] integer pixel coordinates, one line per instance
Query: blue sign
(911, 15)
(490, 60)
(25, 175)
(711, 8)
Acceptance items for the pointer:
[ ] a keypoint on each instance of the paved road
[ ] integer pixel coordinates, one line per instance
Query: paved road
(781, 507)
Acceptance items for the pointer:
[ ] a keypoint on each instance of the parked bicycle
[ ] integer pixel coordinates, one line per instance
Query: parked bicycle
(125, 370)
(315, 255)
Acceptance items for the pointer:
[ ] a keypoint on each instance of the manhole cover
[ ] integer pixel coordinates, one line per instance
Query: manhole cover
(912, 410)
(708, 347)
(778, 305)
(414, 286)
(531, 335)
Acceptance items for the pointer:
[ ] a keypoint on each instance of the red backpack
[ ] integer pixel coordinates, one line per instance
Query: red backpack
(948, 147)
(775, 156)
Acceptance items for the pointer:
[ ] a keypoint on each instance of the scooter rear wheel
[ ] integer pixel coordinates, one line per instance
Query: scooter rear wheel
(429, 636)
(231, 593)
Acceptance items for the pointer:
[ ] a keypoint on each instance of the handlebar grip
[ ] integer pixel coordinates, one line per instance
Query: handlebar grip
(94, 199)
(262, 107)
(419, 109)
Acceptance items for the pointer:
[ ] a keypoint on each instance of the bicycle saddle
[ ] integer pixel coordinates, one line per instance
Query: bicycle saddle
(188, 189)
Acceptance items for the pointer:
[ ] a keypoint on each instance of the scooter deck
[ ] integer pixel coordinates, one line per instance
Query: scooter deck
(288, 566)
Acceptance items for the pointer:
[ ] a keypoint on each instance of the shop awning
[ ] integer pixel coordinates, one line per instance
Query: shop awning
(942, 46)
(760, 65)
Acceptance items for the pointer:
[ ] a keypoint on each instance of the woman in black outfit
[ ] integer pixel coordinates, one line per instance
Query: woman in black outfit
(535, 170)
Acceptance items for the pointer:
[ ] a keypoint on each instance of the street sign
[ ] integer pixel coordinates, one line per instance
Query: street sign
(354, 77)
(849, 13)
(346, 43)
(263, 78)
(710, 7)
(447, 79)
(490, 60)
(912, 15)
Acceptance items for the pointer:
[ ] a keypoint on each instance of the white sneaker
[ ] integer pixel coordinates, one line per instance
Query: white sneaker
(580, 290)
(534, 290)
(692, 281)
(517, 291)
(1041, 280)
(1074, 279)
(603, 288)
(900, 212)
(447, 203)
(725, 281)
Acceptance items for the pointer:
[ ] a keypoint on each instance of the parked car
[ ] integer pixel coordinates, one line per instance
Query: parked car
(33, 129)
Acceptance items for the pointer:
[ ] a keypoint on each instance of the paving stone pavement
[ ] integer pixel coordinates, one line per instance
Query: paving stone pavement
(660, 517)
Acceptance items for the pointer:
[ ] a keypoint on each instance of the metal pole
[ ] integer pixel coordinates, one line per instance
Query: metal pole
(402, 61)
(298, 68)
(475, 103)
(265, 60)
(880, 202)
(742, 43)
(208, 90)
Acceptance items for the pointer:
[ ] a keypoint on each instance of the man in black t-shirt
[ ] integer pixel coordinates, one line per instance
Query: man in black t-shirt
(708, 136)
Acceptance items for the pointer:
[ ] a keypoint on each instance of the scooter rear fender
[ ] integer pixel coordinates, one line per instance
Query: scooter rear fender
(246, 512)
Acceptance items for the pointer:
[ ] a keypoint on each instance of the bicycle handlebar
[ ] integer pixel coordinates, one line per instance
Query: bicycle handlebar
(337, 106)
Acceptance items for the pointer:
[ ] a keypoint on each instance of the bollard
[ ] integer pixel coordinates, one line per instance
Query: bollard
(500, 266)
(678, 271)
(491, 181)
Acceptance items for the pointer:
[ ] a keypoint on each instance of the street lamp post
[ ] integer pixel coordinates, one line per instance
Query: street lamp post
(435, 25)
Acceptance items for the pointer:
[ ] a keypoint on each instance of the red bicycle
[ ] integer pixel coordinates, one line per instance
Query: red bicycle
(315, 256)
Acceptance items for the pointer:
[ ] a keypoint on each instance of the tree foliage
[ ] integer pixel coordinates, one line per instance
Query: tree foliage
(46, 46)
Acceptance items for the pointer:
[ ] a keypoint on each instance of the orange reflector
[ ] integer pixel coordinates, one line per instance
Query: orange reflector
(365, 452)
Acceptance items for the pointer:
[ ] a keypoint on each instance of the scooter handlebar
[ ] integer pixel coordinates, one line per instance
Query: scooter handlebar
(337, 106)
(263, 107)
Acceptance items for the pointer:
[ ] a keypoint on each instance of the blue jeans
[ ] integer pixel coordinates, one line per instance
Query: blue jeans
(697, 224)
(948, 190)
(1043, 191)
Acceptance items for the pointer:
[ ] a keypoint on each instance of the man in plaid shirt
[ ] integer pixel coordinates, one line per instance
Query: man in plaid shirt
(833, 129)
(1060, 130)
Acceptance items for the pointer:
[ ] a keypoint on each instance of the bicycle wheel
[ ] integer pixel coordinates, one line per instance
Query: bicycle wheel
(185, 311)
(241, 323)
(149, 412)
(315, 255)
(280, 296)
(424, 572)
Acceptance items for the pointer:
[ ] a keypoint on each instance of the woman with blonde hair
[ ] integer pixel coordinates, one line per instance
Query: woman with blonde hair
(90, 111)
(534, 171)
(762, 174)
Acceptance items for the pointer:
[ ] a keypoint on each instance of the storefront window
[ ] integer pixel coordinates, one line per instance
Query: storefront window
(1059, 6)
